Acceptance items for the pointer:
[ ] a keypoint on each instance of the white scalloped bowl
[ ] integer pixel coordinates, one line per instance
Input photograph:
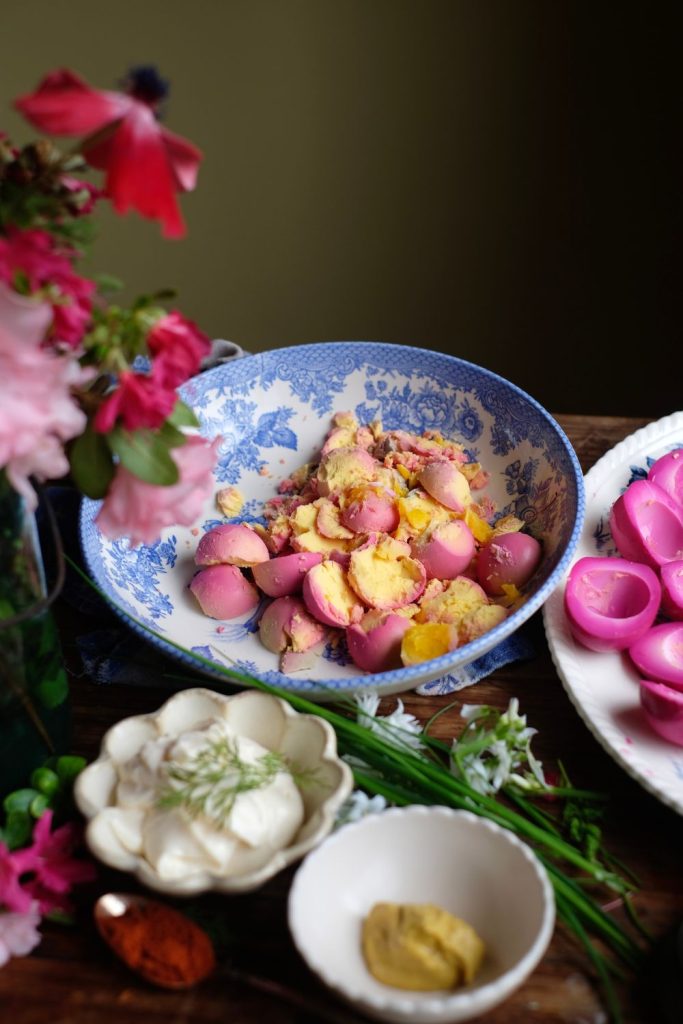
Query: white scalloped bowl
(454, 859)
(304, 740)
(272, 412)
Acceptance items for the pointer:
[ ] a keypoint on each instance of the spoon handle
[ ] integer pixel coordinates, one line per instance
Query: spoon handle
(318, 1010)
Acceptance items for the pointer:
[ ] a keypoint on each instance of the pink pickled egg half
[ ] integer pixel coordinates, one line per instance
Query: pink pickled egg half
(444, 482)
(610, 602)
(663, 708)
(658, 654)
(375, 642)
(329, 598)
(671, 578)
(647, 525)
(233, 543)
(667, 473)
(371, 513)
(223, 592)
(284, 574)
(446, 550)
(511, 558)
(285, 624)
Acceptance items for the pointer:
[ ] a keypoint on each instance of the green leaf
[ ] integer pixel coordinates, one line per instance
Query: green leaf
(45, 780)
(171, 435)
(18, 829)
(69, 766)
(60, 916)
(91, 463)
(145, 454)
(107, 283)
(182, 416)
(19, 800)
(39, 804)
(54, 690)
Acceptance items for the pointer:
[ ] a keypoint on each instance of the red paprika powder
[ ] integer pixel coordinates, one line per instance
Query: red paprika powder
(156, 941)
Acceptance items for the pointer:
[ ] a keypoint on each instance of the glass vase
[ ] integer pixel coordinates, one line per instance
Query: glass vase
(34, 694)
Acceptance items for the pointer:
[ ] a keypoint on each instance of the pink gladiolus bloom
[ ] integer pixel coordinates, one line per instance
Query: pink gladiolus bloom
(37, 412)
(18, 933)
(49, 863)
(141, 511)
(12, 896)
(179, 347)
(140, 401)
(34, 254)
(145, 164)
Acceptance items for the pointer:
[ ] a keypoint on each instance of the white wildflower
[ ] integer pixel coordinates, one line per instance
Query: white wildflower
(494, 750)
(358, 805)
(399, 728)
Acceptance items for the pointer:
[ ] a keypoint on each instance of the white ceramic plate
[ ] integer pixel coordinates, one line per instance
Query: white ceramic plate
(604, 687)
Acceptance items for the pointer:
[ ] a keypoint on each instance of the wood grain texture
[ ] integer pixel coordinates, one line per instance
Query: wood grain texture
(73, 978)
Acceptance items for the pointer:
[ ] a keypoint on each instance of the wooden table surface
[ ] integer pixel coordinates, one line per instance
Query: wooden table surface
(72, 978)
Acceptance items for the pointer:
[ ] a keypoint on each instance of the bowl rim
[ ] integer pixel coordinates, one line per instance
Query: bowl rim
(206, 880)
(394, 680)
(463, 1001)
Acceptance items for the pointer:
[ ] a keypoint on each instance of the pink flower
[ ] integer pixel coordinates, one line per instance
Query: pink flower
(145, 164)
(37, 412)
(140, 401)
(12, 896)
(35, 255)
(141, 511)
(179, 346)
(18, 933)
(48, 862)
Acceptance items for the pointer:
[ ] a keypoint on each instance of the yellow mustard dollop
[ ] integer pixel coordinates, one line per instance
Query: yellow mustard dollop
(420, 946)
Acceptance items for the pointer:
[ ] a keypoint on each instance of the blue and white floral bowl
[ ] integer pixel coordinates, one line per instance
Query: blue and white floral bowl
(272, 411)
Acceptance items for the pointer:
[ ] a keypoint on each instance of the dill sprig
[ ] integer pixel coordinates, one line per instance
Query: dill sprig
(210, 782)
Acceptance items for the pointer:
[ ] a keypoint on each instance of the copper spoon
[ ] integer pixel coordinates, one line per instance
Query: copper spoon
(117, 914)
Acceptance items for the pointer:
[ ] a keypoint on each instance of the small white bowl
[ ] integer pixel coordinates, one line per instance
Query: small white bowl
(463, 863)
(305, 740)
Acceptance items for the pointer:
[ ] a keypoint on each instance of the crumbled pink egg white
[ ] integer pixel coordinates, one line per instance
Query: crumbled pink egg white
(386, 538)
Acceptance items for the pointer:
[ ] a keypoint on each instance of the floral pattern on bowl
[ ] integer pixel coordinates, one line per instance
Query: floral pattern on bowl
(272, 412)
(304, 741)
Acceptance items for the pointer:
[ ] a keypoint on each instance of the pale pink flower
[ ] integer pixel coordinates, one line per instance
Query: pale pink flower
(18, 933)
(37, 411)
(140, 511)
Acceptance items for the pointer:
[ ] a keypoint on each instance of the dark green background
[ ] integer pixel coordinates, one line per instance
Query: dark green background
(496, 180)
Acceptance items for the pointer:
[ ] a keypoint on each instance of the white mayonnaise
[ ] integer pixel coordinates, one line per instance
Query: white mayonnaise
(177, 843)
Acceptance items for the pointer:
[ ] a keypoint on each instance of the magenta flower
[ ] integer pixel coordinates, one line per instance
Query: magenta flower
(141, 511)
(12, 896)
(49, 865)
(18, 933)
(34, 256)
(179, 346)
(140, 401)
(145, 164)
